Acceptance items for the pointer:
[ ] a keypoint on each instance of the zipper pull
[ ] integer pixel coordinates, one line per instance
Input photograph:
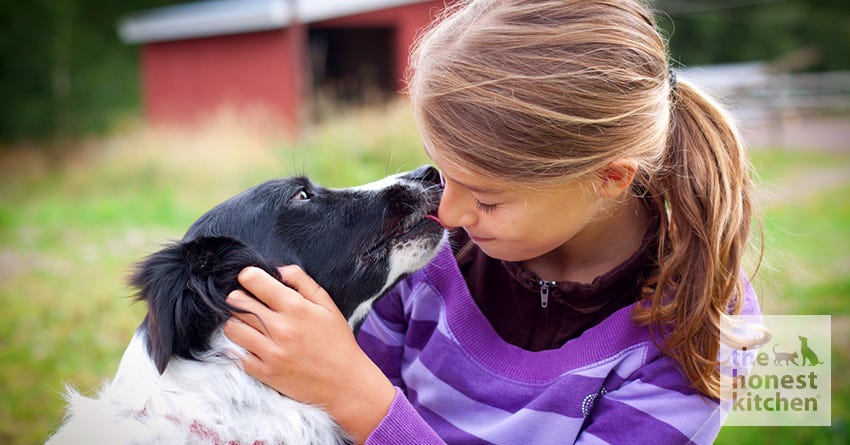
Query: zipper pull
(544, 292)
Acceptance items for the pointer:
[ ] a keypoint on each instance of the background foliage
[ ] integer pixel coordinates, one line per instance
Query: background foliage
(723, 31)
(63, 70)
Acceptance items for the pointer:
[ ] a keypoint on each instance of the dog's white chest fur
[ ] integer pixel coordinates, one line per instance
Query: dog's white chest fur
(192, 402)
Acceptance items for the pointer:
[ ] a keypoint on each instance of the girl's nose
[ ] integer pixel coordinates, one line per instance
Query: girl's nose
(455, 211)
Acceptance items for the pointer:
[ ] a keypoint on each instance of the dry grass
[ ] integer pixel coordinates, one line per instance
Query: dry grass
(75, 216)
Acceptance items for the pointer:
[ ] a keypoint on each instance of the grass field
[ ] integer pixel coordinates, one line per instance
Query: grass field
(74, 218)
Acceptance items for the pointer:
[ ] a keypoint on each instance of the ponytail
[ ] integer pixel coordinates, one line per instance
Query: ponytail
(704, 189)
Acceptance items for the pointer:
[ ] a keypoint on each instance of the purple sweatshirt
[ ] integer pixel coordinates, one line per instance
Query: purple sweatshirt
(459, 382)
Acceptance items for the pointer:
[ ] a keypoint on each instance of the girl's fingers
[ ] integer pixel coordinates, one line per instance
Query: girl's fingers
(267, 289)
(255, 311)
(252, 364)
(295, 277)
(249, 338)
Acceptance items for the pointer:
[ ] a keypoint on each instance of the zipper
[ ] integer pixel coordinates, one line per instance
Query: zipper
(544, 292)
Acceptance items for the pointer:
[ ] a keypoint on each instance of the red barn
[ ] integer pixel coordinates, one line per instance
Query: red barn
(279, 56)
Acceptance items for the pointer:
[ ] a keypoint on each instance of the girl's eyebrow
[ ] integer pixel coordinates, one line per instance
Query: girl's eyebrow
(483, 190)
(480, 189)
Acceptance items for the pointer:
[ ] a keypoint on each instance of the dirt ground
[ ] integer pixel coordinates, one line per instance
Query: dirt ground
(830, 133)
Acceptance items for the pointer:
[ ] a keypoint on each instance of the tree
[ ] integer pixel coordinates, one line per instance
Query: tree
(703, 32)
(63, 70)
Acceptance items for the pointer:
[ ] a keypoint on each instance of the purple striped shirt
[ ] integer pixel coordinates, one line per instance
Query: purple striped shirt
(459, 382)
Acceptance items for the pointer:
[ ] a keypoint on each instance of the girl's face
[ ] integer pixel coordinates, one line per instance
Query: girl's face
(510, 223)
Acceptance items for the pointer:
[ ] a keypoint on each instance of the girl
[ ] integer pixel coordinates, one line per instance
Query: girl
(601, 210)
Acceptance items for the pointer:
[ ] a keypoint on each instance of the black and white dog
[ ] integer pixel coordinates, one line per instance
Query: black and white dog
(179, 382)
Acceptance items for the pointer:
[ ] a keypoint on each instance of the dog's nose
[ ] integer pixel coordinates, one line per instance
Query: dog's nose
(427, 174)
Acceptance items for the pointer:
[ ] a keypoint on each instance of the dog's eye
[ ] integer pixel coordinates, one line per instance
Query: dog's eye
(302, 195)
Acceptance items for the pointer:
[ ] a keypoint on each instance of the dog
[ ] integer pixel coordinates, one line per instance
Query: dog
(180, 380)
(808, 354)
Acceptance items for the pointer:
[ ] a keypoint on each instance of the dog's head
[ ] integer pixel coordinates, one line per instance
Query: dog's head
(354, 242)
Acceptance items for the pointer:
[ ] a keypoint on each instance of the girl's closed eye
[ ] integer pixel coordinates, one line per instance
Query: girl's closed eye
(486, 208)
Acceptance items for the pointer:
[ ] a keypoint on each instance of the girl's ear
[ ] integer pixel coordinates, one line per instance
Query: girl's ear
(616, 177)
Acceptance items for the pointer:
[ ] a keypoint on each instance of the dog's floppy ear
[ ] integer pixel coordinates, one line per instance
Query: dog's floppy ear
(185, 286)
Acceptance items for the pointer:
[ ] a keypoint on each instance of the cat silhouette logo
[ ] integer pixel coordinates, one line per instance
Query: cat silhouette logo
(784, 357)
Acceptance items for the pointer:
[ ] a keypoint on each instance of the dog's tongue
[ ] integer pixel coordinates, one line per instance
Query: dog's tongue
(437, 220)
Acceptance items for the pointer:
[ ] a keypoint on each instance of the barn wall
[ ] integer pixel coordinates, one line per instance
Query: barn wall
(186, 80)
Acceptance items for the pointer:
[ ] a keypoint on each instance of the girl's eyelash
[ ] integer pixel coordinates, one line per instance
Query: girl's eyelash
(484, 207)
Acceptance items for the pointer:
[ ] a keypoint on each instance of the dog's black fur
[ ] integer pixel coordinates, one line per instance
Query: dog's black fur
(342, 238)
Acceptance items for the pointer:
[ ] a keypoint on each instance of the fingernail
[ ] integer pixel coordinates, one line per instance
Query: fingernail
(242, 273)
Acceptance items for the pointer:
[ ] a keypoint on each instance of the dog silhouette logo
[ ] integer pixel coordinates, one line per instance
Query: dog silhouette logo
(807, 352)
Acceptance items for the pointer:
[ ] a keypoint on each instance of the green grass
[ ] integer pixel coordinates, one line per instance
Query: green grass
(775, 165)
(74, 218)
(806, 271)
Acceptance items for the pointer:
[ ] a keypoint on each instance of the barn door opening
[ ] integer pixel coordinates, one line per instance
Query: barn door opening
(351, 65)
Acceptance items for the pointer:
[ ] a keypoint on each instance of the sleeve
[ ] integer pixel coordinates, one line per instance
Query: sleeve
(403, 426)
(382, 338)
(657, 405)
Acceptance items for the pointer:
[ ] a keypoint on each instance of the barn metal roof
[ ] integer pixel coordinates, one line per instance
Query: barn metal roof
(221, 17)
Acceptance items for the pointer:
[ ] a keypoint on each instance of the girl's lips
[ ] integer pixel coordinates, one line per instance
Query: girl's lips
(478, 240)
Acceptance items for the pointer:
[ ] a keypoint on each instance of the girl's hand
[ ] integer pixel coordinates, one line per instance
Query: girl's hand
(303, 347)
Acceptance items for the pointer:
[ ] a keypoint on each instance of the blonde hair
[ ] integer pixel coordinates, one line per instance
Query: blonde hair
(544, 92)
